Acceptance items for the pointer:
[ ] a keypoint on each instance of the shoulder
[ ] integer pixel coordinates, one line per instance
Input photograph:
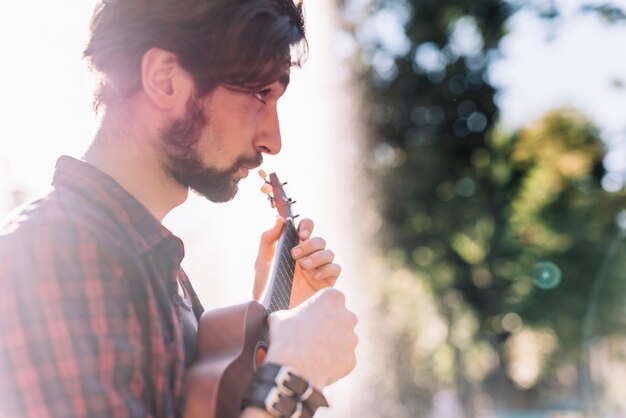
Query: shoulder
(63, 238)
(59, 219)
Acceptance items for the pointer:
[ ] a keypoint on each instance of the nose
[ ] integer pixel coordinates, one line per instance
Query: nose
(268, 138)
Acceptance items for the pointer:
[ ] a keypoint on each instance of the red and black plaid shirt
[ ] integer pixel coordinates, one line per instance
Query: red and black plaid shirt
(89, 320)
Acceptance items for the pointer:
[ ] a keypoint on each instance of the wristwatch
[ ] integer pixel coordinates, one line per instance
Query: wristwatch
(281, 391)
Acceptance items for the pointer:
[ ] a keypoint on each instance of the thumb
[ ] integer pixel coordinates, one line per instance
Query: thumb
(263, 262)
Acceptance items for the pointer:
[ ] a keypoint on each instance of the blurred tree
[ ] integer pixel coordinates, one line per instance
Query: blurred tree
(506, 232)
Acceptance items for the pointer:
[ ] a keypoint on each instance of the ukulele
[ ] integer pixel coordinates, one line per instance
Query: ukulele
(232, 342)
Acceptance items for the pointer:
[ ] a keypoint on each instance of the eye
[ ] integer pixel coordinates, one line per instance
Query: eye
(262, 95)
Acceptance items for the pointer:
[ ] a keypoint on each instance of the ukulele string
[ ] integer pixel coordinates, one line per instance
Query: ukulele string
(285, 271)
(284, 274)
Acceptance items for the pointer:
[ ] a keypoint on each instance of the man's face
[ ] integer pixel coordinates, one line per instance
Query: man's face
(221, 137)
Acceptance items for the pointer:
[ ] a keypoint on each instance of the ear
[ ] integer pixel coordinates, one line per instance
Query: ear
(164, 81)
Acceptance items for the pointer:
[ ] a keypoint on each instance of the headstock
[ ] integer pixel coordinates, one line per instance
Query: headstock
(273, 188)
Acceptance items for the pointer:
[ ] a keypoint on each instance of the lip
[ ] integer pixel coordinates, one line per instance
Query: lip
(249, 167)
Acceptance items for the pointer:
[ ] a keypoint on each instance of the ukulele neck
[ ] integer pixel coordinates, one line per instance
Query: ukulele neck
(278, 292)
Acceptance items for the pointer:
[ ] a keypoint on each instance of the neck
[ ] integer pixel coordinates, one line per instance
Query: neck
(125, 149)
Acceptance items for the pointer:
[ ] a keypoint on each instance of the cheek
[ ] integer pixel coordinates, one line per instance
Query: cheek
(240, 126)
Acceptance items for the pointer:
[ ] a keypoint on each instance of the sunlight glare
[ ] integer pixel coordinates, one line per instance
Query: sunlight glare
(46, 100)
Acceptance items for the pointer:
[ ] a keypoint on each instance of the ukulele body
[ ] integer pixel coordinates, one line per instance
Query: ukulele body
(229, 343)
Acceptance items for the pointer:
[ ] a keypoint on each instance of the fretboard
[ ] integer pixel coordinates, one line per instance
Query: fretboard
(284, 267)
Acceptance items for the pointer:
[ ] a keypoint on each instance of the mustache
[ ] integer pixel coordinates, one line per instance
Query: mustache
(251, 163)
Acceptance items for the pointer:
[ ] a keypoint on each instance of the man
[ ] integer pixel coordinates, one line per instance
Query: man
(94, 308)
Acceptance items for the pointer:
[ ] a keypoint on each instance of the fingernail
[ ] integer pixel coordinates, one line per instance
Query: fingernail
(317, 275)
(304, 234)
(306, 263)
(296, 252)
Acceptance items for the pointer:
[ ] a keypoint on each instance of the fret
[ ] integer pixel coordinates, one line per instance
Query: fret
(284, 268)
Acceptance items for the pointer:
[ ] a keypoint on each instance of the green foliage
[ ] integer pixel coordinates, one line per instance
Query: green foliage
(507, 232)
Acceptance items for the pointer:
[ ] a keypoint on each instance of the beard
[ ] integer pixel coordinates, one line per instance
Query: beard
(184, 163)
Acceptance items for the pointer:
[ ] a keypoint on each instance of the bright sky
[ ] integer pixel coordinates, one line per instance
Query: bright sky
(44, 104)
(574, 61)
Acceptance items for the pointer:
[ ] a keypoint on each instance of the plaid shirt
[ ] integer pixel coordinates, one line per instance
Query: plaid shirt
(90, 317)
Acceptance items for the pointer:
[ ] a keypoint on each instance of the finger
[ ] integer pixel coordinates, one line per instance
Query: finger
(328, 272)
(317, 259)
(308, 247)
(270, 236)
(260, 280)
(305, 228)
(264, 258)
(271, 318)
(275, 317)
(267, 245)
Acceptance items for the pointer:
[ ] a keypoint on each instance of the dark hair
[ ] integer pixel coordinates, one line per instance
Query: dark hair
(243, 44)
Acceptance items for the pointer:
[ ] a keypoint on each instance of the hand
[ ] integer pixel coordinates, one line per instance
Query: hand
(315, 269)
(316, 338)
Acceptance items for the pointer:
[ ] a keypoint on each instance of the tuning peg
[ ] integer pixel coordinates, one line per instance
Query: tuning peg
(291, 201)
(267, 189)
(263, 175)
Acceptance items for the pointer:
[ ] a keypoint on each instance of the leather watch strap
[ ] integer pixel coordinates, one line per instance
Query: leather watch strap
(266, 395)
(281, 391)
(293, 384)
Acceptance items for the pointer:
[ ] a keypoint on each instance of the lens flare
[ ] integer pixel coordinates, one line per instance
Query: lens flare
(546, 275)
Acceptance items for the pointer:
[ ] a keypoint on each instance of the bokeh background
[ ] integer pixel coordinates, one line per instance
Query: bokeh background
(465, 160)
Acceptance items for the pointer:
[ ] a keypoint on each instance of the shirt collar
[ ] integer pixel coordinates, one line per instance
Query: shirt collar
(104, 191)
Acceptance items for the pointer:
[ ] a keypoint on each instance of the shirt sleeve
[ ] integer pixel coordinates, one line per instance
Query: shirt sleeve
(70, 341)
